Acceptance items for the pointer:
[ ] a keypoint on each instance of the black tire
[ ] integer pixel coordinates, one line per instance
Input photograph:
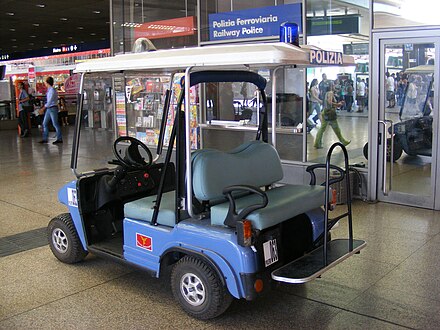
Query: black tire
(397, 152)
(365, 150)
(211, 298)
(64, 241)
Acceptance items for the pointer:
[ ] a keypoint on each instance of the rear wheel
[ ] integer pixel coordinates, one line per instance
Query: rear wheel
(199, 289)
(64, 241)
(397, 150)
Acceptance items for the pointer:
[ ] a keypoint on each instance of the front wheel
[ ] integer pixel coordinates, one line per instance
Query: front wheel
(397, 152)
(199, 289)
(64, 241)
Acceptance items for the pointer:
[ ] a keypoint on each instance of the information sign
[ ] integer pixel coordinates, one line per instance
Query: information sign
(253, 23)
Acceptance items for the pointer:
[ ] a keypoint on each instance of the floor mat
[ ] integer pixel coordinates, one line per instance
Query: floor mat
(22, 242)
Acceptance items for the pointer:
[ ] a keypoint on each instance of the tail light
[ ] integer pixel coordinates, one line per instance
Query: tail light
(258, 285)
(334, 198)
(244, 232)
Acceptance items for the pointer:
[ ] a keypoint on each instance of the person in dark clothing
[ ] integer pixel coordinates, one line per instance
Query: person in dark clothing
(324, 86)
(23, 104)
(348, 97)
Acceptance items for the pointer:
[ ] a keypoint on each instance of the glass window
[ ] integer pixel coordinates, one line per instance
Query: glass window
(337, 111)
(232, 112)
(404, 13)
(289, 113)
(166, 25)
(97, 135)
(230, 116)
(348, 23)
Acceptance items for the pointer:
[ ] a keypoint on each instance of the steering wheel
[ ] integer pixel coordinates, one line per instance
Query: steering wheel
(132, 157)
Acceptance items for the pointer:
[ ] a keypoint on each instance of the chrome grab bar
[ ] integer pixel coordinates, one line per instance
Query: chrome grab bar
(385, 148)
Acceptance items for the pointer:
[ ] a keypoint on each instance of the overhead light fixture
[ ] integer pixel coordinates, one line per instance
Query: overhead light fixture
(12, 29)
(93, 34)
(14, 39)
(41, 5)
(55, 32)
(96, 12)
(32, 36)
(131, 25)
(80, 28)
(63, 19)
(36, 24)
(49, 41)
(10, 14)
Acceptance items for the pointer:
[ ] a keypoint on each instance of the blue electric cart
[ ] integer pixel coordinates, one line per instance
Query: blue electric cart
(221, 219)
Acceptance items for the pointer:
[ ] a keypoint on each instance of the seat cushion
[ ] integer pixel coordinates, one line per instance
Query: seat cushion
(142, 209)
(284, 203)
(253, 163)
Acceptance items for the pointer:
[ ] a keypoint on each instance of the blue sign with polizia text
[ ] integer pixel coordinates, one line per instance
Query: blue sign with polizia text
(253, 23)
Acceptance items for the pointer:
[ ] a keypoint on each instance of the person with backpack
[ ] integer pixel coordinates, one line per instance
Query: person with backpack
(329, 117)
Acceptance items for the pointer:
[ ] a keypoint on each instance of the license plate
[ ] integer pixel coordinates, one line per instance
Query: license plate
(270, 252)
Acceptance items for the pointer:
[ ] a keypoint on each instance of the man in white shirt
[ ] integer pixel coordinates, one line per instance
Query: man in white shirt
(360, 94)
(390, 88)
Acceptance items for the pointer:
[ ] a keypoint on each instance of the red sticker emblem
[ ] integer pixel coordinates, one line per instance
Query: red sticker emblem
(144, 242)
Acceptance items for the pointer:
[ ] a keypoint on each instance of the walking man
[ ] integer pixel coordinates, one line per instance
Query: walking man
(51, 108)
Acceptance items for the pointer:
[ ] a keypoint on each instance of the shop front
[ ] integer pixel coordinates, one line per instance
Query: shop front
(341, 27)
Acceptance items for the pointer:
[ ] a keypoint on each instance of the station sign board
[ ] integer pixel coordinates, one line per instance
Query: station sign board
(356, 49)
(325, 57)
(65, 49)
(253, 23)
(319, 26)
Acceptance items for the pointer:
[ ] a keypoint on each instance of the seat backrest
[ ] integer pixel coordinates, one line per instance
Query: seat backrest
(253, 163)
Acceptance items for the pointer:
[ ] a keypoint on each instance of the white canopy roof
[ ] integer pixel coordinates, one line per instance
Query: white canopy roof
(421, 69)
(230, 56)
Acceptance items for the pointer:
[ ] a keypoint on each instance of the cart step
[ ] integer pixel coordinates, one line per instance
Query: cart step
(311, 265)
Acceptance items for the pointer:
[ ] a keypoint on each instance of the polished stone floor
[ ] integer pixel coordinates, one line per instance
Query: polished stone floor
(393, 284)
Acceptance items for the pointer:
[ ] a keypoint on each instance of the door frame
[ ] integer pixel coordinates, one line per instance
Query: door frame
(377, 102)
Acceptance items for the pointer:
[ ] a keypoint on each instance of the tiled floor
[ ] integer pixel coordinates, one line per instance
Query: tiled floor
(393, 284)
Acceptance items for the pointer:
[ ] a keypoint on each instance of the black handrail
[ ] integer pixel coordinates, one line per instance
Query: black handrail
(327, 200)
(163, 124)
(167, 161)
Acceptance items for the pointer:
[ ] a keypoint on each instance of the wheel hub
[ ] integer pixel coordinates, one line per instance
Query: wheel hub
(59, 240)
(192, 289)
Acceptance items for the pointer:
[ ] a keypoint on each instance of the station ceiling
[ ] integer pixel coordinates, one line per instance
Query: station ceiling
(27, 25)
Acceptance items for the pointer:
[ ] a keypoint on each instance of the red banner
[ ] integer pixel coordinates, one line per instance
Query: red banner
(175, 27)
(71, 85)
(31, 73)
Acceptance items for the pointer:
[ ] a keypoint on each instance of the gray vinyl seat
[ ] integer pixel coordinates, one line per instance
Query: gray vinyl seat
(142, 209)
(254, 163)
(257, 164)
